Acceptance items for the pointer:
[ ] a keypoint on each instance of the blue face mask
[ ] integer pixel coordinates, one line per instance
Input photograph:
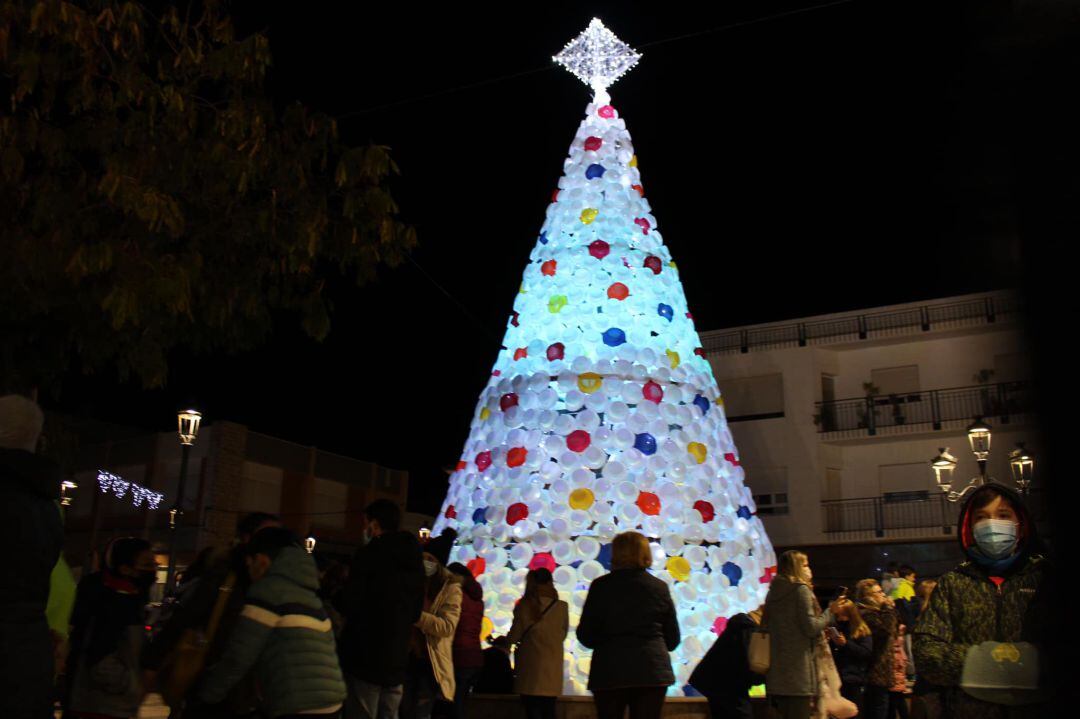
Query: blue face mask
(995, 538)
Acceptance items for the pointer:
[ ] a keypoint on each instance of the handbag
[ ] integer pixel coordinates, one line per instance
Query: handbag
(757, 652)
(529, 628)
(187, 660)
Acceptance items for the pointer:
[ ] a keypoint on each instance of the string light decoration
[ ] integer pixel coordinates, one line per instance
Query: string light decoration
(597, 56)
(120, 487)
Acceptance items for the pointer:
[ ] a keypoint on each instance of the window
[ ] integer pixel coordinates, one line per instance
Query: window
(750, 398)
(769, 487)
(914, 496)
(1010, 368)
(903, 479)
(260, 490)
(771, 503)
(896, 380)
(329, 502)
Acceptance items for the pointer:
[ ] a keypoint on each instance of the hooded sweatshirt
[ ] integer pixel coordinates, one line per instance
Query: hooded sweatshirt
(978, 602)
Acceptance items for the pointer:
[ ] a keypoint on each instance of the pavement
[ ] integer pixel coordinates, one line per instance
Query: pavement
(153, 708)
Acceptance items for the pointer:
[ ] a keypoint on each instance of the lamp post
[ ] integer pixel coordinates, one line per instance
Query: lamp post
(1021, 463)
(188, 428)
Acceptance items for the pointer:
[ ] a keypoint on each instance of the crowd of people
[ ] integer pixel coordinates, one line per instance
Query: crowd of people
(260, 629)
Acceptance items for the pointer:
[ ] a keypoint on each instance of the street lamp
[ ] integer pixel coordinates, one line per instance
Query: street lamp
(979, 438)
(65, 487)
(187, 427)
(1021, 463)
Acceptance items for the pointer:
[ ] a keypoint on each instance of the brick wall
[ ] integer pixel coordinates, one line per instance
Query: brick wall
(224, 477)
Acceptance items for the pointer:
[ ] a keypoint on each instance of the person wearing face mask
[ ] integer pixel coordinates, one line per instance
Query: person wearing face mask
(381, 601)
(430, 673)
(796, 625)
(107, 634)
(978, 638)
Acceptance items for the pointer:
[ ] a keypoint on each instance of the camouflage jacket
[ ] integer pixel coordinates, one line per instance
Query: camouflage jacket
(967, 608)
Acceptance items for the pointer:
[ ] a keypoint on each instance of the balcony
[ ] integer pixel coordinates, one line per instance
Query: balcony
(868, 326)
(908, 514)
(904, 515)
(930, 410)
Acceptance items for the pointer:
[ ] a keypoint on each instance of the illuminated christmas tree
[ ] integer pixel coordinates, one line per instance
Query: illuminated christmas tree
(602, 414)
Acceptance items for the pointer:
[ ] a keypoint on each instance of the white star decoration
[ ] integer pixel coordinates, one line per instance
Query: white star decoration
(597, 56)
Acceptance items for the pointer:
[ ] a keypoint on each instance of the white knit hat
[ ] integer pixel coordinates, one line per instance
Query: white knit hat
(21, 421)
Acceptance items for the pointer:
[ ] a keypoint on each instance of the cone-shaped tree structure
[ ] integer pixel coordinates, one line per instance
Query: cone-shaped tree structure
(602, 414)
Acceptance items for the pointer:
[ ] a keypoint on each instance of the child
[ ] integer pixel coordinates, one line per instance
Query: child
(899, 690)
(283, 636)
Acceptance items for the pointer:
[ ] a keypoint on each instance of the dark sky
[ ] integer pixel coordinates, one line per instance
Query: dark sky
(843, 157)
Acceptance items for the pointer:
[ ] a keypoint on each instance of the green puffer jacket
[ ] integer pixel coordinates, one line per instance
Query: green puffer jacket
(968, 607)
(284, 636)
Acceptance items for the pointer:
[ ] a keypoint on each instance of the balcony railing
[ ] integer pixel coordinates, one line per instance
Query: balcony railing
(982, 310)
(878, 516)
(927, 409)
(907, 514)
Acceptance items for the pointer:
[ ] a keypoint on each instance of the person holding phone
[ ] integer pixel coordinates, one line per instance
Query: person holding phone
(852, 647)
(796, 624)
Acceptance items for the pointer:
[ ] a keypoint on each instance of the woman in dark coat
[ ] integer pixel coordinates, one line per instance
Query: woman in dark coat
(724, 675)
(629, 622)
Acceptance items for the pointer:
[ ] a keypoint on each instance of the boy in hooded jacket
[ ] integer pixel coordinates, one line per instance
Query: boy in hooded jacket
(283, 636)
(999, 594)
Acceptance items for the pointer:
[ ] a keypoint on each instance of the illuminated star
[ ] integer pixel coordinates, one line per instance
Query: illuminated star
(597, 57)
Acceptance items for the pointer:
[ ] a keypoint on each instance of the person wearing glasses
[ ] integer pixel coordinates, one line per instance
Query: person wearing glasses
(879, 613)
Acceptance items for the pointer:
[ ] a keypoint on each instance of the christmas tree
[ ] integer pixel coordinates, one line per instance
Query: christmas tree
(602, 414)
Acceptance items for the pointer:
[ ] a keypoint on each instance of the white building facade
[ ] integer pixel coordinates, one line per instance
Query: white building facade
(837, 417)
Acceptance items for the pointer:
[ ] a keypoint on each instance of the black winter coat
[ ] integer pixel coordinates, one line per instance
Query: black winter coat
(724, 670)
(853, 659)
(32, 533)
(629, 622)
(380, 604)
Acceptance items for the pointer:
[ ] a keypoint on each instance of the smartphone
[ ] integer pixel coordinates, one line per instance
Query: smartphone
(833, 632)
(840, 592)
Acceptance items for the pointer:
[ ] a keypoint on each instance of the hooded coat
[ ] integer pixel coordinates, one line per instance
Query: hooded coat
(972, 604)
(32, 531)
(381, 602)
(794, 627)
(438, 623)
(285, 639)
(468, 654)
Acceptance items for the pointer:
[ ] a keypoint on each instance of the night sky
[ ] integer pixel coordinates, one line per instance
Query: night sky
(843, 157)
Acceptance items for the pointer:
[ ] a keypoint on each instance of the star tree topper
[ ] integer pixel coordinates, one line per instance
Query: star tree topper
(597, 56)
